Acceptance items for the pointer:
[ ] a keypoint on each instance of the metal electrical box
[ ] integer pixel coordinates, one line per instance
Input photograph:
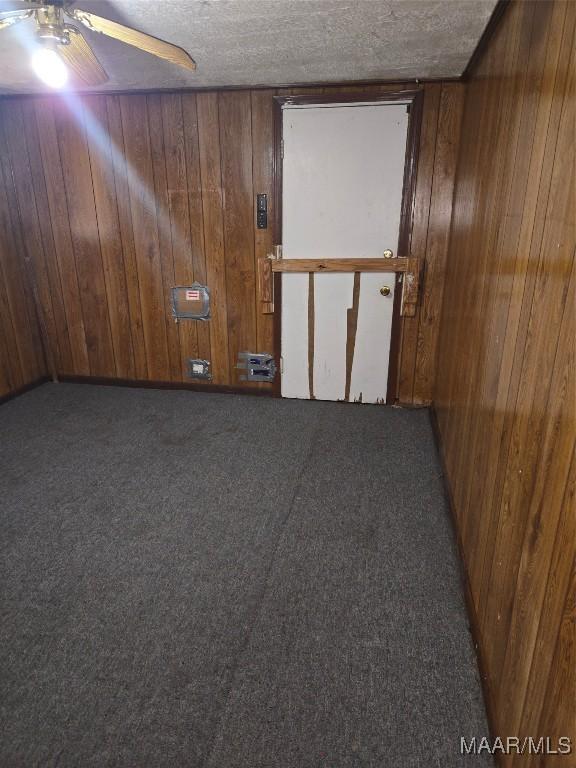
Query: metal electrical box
(191, 302)
(258, 366)
(199, 369)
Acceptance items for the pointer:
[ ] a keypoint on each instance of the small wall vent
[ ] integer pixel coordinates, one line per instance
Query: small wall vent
(191, 302)
(258, 366)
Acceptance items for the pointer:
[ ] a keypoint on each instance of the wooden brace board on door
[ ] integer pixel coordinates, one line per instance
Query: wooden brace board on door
(410, 267)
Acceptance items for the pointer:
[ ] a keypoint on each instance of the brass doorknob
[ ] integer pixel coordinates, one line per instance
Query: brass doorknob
(385, 290)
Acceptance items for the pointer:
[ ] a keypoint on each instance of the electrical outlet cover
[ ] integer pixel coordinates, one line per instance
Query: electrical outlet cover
(199, 369)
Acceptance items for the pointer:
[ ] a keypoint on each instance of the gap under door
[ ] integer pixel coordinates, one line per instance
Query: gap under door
(342, 187)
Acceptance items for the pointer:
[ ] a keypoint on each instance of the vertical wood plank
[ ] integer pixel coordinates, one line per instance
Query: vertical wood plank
(9, 368)
(213, 226)
(427, 151)
(43, 260)
(540, 143)
(552, 682)
(544, 510)
(558, 718)
(134, 116)
(531, 410)
(122, 194)
(262, 162)
(102, 172)
(193, 183)
(486, 423)
(437, 238)
(183, 337)
(75, 164)
(22, 243)
(66, 262)
(13, 372)
(236, 154)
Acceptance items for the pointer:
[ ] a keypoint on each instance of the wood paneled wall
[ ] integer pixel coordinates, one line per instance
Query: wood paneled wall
(505, 393)
(123, 196)
(22, 359)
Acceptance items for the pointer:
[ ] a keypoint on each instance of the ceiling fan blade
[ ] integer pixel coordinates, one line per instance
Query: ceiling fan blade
(81, 60)
(8, 21)
(132, 37)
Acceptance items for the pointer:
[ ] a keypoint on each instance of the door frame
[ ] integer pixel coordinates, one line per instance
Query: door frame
(414, 99)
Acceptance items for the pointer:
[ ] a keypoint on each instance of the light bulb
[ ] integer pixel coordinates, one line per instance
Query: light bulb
(49, 67)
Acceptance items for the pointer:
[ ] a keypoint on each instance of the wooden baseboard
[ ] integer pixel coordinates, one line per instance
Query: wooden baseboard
(146, 384)
(110, 381)
(24, 389)
(487, 692)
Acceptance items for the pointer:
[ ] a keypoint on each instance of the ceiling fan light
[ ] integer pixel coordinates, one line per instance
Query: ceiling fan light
(49, 67)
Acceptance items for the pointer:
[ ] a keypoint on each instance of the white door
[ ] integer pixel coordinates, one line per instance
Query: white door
(342, 177)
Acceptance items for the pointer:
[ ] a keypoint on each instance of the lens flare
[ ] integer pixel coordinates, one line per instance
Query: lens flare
(50, 68)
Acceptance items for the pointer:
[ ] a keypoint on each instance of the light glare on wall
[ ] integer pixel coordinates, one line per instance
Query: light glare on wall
(50, 68)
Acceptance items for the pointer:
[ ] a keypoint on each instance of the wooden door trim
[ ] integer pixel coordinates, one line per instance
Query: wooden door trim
(405, 235)
(414, 99)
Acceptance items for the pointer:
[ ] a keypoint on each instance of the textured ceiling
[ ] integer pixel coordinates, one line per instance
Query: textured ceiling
(259, 42)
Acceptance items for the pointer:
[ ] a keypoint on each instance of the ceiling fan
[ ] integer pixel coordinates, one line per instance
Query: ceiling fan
(62, 46)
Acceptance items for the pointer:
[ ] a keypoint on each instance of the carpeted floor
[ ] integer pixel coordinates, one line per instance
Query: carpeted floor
(215, 581)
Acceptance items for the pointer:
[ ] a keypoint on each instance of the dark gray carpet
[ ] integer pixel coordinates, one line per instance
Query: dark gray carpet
(218, 581)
